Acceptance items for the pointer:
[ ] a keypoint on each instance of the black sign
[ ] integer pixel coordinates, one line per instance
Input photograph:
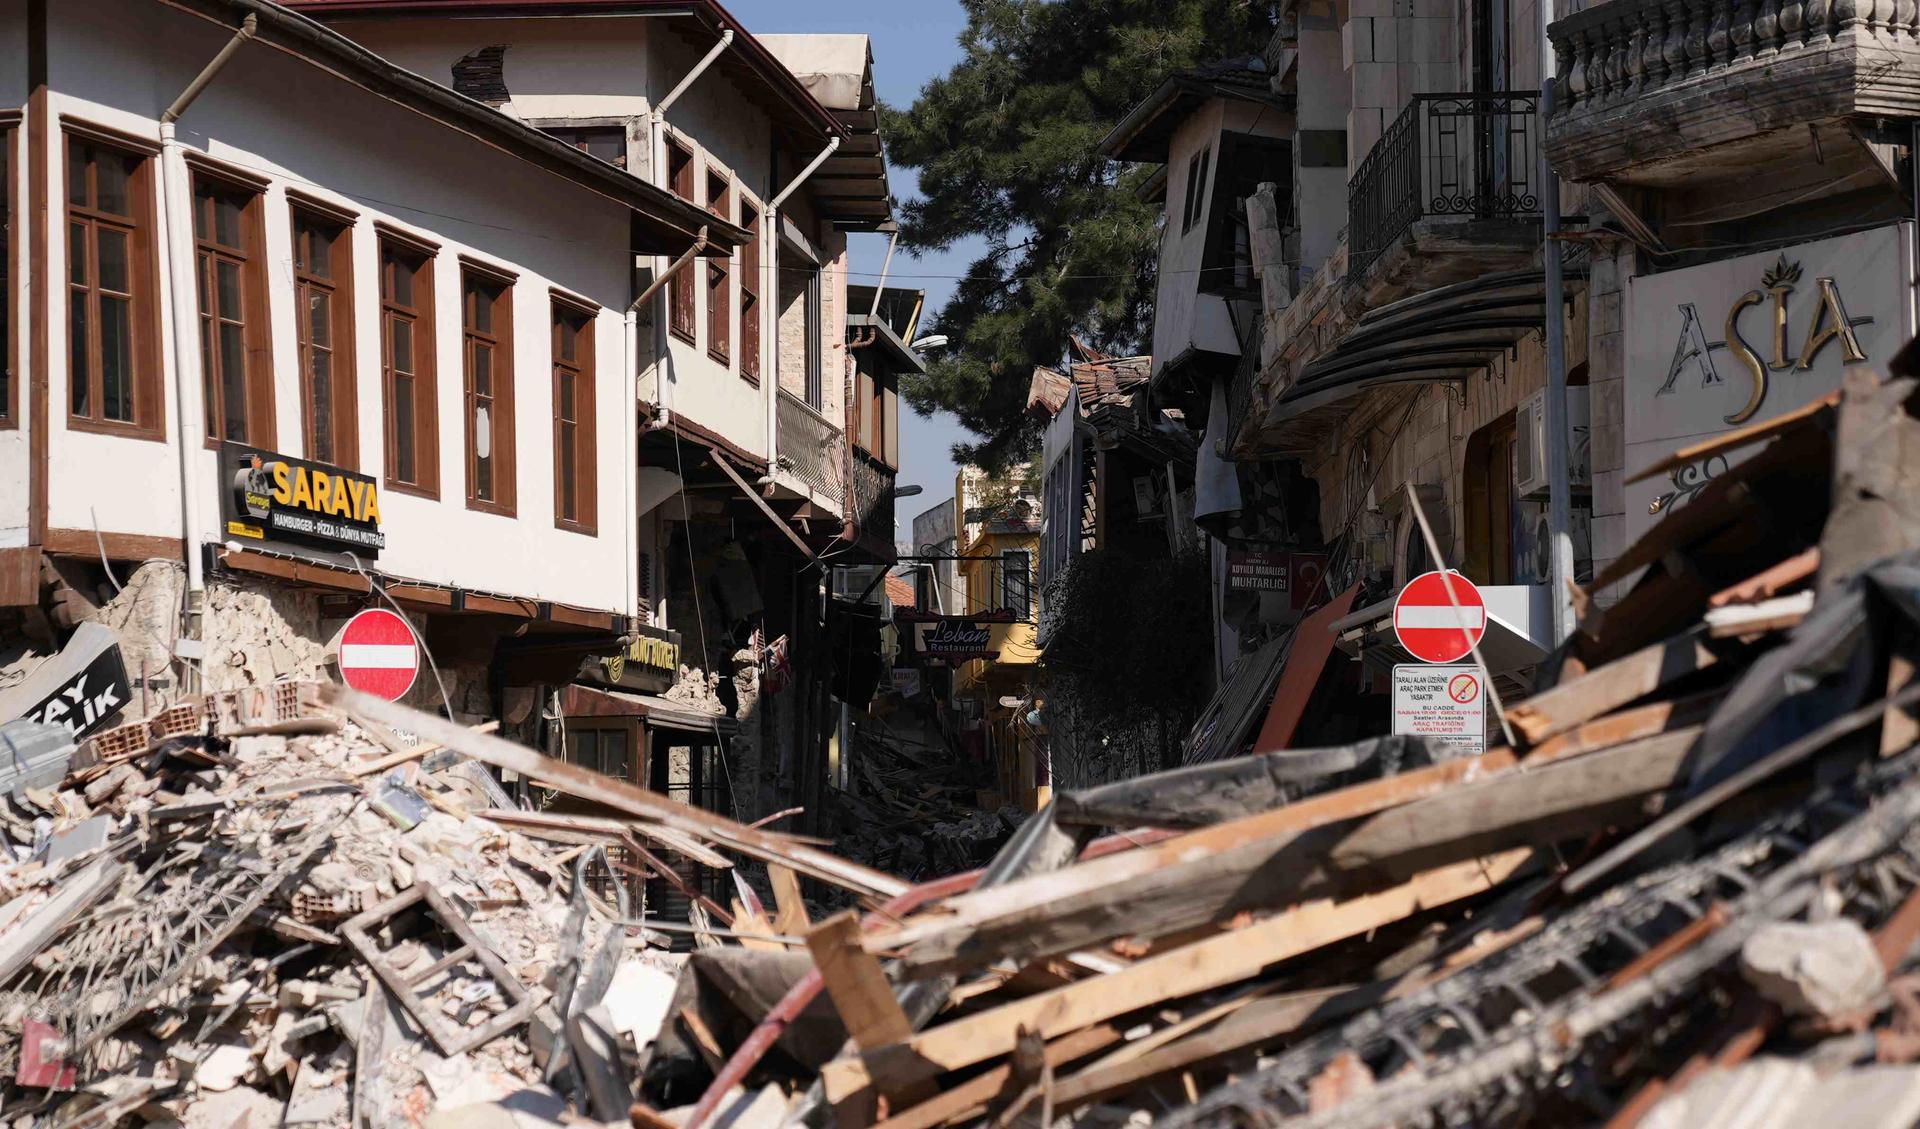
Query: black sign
(90, 699)
(954, 640)
(651, 662)
(269, 497)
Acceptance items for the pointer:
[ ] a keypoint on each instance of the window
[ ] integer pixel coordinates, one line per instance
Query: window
(113, 375)
(719, 280)
(680, 288)
(575, 499)
(816, 367)
(607, 142)
(486, 328)
(407, 370)
(323, 309)
(234, 356)
(1196, 196)
(603, 748)
(1490, 510)
(873, 415)
(750, 295)
(1016, 579)
(1245, 163)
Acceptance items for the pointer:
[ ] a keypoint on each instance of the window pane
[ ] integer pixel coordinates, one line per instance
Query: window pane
(319, 317)
(403, 452)
(233, 381)
(228, 277)
(116, 359)
(566, 394)
(399, 280)
(77, 253)
(77, 174)
(565, 454)
(320, 403)
(226, 220)
(569, 339)
(209, 375)
(482, 370)
(319, 248)
(479, 307)
(112, 171)
(78, 373)
(114, 259)
(202, 204)
(402, 345)
(613, 753)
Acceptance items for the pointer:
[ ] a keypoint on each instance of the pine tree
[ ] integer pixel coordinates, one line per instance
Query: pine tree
(1005, 144)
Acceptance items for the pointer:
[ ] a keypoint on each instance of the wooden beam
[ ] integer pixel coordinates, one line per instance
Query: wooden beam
(120, 546)
(970, 1098)
(1627, 725)
(494, 605)
(1199, 967)
(1607, 688)
(622, 796)
(792, 916)
(753, 496)
(1770, 582)
(858, 986)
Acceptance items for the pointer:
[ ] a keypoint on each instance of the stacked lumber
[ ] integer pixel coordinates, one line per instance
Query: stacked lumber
(1700, 851)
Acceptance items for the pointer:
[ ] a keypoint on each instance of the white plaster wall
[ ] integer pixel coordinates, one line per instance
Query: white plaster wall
(14, 451)
(298, 126)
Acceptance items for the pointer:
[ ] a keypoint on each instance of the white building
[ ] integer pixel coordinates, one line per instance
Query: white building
(413, 306)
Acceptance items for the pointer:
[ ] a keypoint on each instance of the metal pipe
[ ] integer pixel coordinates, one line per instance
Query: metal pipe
(200, 81)
(678, 265)
(1559, 488)
(886, 264)
(699, 68)
(630, 448)
(177, 234)
(820, 158)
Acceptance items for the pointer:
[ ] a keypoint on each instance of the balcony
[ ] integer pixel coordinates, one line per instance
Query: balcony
(873, 506)
(812, 453)
(1448, 193)
(1679, 93)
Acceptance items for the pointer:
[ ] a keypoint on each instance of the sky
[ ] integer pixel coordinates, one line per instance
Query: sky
(913, 41)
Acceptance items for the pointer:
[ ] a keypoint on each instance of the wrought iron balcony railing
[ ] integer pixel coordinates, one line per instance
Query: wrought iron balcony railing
(810, 448)
(1466, 156)
(873, 502)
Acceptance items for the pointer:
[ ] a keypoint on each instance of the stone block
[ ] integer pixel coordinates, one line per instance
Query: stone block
(1376, 86)
(1828, 969)
(1609, 537)
(1369, 8)
(1385, 47)
(1607, 312)
(1609, 498)
(1607, 356)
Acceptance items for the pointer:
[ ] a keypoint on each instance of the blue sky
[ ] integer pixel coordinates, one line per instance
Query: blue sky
(913, 41)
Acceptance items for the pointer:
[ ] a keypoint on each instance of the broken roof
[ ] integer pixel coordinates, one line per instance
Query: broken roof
(1146, 133)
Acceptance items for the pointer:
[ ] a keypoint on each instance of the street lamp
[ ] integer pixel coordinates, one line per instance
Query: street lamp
(932, 341)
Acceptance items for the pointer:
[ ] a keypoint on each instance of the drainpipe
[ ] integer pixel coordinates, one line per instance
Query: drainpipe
(769, 217)
(177, 231)
(630, 450)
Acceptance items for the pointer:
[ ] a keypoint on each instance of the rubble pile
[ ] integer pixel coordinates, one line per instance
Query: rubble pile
(914, 808)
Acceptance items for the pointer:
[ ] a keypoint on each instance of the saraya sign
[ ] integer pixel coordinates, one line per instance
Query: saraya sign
(270, 497)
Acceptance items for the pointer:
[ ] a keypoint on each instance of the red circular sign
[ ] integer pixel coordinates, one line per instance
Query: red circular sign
(377, 654)
(1428, 624)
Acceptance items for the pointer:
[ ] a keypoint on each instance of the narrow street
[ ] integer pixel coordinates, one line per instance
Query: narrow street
(1033, 564)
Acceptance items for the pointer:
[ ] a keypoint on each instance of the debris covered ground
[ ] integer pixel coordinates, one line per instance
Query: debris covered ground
(1687, 893)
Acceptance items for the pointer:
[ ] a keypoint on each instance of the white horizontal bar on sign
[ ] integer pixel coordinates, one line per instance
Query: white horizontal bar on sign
(1432, 615)
(378, 656)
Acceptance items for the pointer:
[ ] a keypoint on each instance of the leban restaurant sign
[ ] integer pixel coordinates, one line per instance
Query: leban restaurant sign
(1715, 347)
(270, 497)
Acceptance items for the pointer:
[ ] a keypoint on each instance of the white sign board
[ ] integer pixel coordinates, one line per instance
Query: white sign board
(1443, 701)
(1715, 347)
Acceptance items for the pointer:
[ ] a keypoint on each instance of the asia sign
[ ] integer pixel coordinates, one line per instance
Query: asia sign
(1714, 347)
(269, 497)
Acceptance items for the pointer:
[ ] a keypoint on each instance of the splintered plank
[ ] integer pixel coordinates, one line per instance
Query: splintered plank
(856, 983)
(791, 918)
(1607, 688)
(1199, 967)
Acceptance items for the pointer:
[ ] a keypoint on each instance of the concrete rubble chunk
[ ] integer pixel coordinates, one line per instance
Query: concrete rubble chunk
(1827, 969)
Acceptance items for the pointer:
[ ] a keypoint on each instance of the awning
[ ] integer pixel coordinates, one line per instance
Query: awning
(1446, 334)
(1519, 631)
(658, 712)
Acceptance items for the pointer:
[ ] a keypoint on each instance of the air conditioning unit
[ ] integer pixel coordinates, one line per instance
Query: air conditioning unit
(1530, 444)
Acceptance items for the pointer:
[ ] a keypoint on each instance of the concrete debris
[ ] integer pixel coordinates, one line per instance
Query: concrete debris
(1777, 1093)
(1829, 969)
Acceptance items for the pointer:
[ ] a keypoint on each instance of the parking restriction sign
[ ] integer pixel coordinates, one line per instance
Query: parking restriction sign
(1444, 702)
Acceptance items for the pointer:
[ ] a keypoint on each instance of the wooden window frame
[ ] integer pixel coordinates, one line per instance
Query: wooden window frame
(339, 288)
(10, 170)
(256, 329)
(499, 400)
(631, 726)
(720, 274)
(147, 388)
(682, 318)
(585, 420)
(426, 423)
(749, 292)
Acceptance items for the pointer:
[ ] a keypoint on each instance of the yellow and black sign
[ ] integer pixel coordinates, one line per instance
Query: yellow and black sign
(270, 497)
(650, 663)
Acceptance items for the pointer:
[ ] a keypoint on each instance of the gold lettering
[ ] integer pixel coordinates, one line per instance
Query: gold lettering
(1743, 353)
(1781, 362)
(282, 493)
(322, 491)
(342, 497)
(370, 508)
(1842, 327)
(302, 490)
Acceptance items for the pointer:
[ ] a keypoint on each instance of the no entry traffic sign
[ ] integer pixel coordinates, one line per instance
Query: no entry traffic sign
(377, 654)
(1430, 627)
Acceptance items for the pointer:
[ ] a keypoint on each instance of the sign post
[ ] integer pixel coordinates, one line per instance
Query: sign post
(1430, 627)
(377, 653)
(1443, 701)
